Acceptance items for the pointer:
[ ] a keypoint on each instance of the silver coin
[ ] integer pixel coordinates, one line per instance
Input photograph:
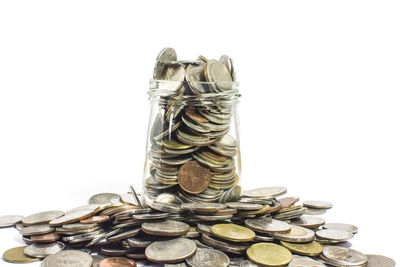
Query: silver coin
(339, 256)
(224, 59)
(9, 220)
(173, 77)
(380, 261)
(208, 257)
(265, 192)
(297, 234)
(243, 206)
(342, 226)
(211, 218)
(69, 258)
(43, 250)
(166, 228)
(267, 225)
(308, 222)
(333, 234)
(305, 262)
(166, 56)
(315, 204)
(311, 211)
(195, 77)
(42, 217)
(218, 75)
(75, 215)
(248, 263)
(171, 251)
(37, 230)
(105, 199)
(124, 235)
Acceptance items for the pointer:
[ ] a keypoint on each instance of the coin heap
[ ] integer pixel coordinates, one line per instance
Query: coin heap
(259, 229)
(195, 213)
(192, 151)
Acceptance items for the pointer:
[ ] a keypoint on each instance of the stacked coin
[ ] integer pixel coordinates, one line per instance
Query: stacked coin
(259, 229)
(192, 153)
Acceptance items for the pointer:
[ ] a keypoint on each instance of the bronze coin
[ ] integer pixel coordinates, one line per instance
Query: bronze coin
(46, 238)
(194, 178)
(95, 219)
(194, 116)
(288, 201)
(117, 262)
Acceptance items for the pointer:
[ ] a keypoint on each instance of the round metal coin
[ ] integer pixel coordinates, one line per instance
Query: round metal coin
(269, 254)
(267, 225)
(105, 199)
(232, 232)
(333, 234)
(340, 256)
(380, 261)
(297, 234)
(342, 226)
(308, 249)
(43, 250)
(37, 230)
(208, 257)
(166, 228)
(193, 178)
(68, 258)
(17, 255)
(9, 220)
(266, 192)
(315, 204)
(171, 251)
(42, 217)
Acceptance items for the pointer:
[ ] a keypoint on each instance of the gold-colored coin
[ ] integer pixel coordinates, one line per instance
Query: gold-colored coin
(308, 249)
(172, 144)
(269, 254)
(17, 255)
(232, 232)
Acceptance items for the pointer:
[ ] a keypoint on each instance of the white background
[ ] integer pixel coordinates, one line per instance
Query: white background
(319, 113)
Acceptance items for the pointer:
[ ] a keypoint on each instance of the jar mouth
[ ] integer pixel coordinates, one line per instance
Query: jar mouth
(167, 88)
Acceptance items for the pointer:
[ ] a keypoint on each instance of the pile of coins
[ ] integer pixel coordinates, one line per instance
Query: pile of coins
(194, 213)
(192, 151)
(261, 228)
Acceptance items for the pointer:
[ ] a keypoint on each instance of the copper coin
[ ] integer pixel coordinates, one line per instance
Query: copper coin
(194, 116)
(288, 201)
(46, 238)
(95, 219)
(194, 178)
(117, 262)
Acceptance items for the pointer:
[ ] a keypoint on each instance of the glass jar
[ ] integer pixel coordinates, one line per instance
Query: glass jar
(192, 151)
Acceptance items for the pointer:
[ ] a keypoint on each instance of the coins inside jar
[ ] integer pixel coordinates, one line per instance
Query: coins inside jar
(193, 145)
